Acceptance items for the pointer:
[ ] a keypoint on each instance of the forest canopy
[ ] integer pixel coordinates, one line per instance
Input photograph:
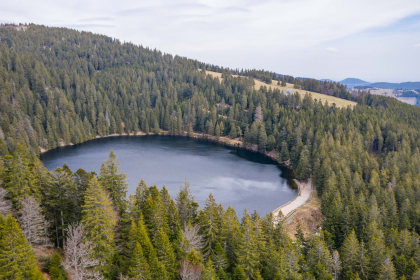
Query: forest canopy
(60, 86)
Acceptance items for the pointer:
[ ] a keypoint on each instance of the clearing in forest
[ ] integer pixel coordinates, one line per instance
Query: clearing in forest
(339, 102)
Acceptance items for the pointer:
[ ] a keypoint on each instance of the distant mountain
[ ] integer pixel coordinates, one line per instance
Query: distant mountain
(352, 82)
(358, 83)
(406, 85)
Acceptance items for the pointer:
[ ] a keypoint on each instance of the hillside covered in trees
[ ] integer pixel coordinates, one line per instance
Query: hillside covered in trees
(61, 86)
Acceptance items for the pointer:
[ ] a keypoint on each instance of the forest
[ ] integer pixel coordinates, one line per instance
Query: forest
(60, 86)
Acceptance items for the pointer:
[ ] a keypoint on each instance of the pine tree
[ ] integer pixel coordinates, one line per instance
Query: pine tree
(17, 260)
(138, 234)
(209, 273)
(222, 275)
(155, 215)
(284, 152)
(17, 177)
(231, 235)
(262, 138)
(55, 268)
(219, 257)
(303, 170)
(99, 222)
(190, 131)
(248, 248)
(209, 221)
(387, 270)
(185, 204)
(239, 274)
(139, 268)
(233, 132)
(165, 253)
(217, 132)
(114, 181)
(350, 253)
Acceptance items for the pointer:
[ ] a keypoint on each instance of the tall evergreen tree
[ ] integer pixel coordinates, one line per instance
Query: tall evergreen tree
(139, 268)
(17, 260)
(114, 181)
(99, 220)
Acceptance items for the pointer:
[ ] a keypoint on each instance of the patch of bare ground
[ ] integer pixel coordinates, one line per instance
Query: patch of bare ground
(43, 252)
(309, 217)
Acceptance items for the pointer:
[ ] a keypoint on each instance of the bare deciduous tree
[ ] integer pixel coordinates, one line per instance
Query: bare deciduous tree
(77, 252)
(5, 206)
(189, 271)
(258, 116)
(192, 239)
(336, 267)
(33, 223)
(123, 277)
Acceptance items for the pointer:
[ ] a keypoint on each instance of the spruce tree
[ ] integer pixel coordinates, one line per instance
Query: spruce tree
(17, 260)
(303, 170)
(209, 221)
(138, 234)
(190, 131)
(262, 138)
(209, 273)
(113, 180)
(239, 274)
(217, 132)
(99, 220)
(165, 253)
(350, 253)
(233, 132)
(139, 268)
(248, 248)
(55, 268)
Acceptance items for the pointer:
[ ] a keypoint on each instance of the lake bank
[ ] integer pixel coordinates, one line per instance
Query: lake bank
(235, 176)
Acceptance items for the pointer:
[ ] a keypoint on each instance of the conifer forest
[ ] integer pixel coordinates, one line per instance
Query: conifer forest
(60, 86)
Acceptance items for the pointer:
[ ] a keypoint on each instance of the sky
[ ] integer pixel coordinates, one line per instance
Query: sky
(374, 40)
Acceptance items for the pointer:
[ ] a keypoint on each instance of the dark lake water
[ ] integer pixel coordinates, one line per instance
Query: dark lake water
(235, 177)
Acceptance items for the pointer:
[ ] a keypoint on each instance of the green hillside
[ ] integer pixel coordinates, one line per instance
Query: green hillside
(60, 86)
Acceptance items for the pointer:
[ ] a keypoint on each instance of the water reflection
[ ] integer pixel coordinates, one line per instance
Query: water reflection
(234, 176)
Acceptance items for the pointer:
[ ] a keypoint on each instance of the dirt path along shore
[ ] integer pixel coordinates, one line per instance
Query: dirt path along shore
(301, 199)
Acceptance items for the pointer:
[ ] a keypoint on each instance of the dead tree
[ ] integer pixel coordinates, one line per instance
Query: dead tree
(336, 264)
(33, 223)
(258, 116)
(192, 239)
(5, 205)
(190, 271)
(78, 257)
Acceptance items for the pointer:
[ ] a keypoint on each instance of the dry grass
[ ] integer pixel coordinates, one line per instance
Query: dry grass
(318, 96)
(309, 217)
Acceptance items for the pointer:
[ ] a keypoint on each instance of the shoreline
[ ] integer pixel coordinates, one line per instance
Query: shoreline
(235, 143)
(304, 194)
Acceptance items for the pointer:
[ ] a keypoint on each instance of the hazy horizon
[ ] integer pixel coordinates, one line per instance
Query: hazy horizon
(316, 39)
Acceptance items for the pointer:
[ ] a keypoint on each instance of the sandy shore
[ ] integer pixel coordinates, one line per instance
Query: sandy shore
(301, 199)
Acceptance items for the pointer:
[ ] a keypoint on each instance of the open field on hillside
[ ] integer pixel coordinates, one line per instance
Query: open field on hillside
(320, 97)
(396, 94)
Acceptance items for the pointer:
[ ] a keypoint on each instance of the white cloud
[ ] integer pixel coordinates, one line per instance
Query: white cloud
(333, 50)
(274, 35)
(417, 45)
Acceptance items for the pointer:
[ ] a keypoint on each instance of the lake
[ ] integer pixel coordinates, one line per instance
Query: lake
(235, 177)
